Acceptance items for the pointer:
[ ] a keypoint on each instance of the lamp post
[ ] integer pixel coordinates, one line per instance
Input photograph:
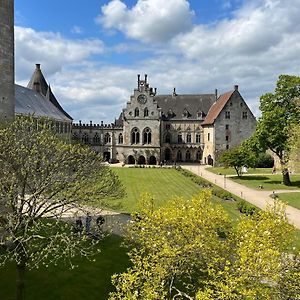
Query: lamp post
(224, 181)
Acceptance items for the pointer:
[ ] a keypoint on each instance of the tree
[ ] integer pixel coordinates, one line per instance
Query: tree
(279, 115)
(294, 144)
(41, 178)
(238, 157)
(189, 249)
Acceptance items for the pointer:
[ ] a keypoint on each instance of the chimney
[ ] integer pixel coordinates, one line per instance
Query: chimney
(38, 66)
(155, 91)
(174, 92)
(216, 94)
(139, 78)
(146, 78)
(236, 87)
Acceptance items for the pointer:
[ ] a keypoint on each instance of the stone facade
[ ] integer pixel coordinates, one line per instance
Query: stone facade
(7, 88)
(171, 128)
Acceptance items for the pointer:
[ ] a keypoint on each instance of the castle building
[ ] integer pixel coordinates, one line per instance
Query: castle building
(155, 128)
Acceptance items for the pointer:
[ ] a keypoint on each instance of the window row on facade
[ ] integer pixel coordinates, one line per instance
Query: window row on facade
(169, 139)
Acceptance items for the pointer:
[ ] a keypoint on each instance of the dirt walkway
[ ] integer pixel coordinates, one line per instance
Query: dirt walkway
(259, 198)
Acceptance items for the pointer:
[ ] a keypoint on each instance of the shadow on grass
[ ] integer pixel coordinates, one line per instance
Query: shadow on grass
(254, 178)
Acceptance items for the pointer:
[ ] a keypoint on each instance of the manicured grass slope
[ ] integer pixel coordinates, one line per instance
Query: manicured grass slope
(161, 183)
(269, 182)
(91, 280)
(292, 199)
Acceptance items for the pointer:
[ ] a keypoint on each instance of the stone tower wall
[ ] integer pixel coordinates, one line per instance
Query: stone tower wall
(7, 88)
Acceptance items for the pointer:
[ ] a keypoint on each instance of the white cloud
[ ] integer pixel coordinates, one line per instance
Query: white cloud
(149, 20)
(76, 29)
(51, 50)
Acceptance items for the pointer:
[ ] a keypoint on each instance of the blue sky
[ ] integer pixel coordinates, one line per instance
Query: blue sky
(91, 51)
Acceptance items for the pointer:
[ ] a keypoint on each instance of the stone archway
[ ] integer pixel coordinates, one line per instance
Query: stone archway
(152, 160)
(130, 160)
(106, 155)
(168, 154)
(142, 160)
(210, 161)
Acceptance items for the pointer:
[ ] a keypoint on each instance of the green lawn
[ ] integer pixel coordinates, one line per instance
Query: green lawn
(91, 280)
(292, 199)
(162, 184)
(269, 182)
(231, 171)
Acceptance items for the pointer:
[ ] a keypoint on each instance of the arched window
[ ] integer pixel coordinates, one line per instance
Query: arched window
(188, 138)
(136, 112)
(85, 138)
(106, 138)
(198, 138)
(147, 136)
(179, 155)
(75, 136)
(135, 136)
(188, 155)
(120, 138)
(179, 138)
(199, 155)
(96, 139)
(168, 138)
(146, 112)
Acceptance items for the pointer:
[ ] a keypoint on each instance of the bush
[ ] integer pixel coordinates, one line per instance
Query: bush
(246, 208)
(264, 160)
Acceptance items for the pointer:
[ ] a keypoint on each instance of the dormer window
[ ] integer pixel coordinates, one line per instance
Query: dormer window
(200, 114)
(185, 113)
(170, 113)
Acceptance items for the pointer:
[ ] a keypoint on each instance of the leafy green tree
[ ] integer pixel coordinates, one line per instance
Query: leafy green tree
(238, 157)
(189, 249)
(279, 113)
(42, 178)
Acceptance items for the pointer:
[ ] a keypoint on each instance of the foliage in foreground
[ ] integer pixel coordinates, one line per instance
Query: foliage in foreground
(191, 250)
(43, 177)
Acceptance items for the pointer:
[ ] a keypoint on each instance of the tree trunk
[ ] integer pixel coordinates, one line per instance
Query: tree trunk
(20, 281)
(286, 177)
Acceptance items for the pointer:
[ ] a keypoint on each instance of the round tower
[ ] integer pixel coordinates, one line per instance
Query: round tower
(7, 70)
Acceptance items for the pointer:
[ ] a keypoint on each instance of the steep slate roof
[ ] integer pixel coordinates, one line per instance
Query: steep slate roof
(179, 103)
(38, 81)
(217, 108)
(32, 102)
(50, 96)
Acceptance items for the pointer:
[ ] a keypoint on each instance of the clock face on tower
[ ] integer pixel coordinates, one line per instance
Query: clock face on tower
(142, 99)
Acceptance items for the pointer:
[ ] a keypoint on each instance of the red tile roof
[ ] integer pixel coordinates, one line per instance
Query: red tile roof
(216, 108)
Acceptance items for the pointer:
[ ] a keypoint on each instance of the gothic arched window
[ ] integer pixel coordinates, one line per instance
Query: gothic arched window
(188, 138)
(106, 138)
(120, 140)
(168, 138)
(135, 136)
(146, 112)
(136, 112)
(147, 136)
(96, 139)
(85, 138)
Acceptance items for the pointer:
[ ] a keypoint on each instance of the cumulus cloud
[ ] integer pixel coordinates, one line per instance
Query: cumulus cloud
(149, 20)
(51, 50)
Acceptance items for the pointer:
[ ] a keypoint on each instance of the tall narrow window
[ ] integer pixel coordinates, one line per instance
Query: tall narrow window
(227, 114)
(245, 115)
(199, 155)
(188, 155)
(136, 112)
(227, 138)
(208, 136)
(135, 136)
(179, 138)
(96, 139)
(146, 112)
(120, 140)
(179, 155)
(106, 138)
(168, 138)
(227, 126)
(85, 138)
(147, 136)
(188, 138)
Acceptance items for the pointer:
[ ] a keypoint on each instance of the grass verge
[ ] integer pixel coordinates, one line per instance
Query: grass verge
(292, 199)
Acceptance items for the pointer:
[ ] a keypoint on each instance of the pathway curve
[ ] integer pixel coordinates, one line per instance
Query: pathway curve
(259, 198)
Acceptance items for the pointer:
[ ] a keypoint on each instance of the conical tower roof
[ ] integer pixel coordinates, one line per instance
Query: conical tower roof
(50, 96)
(38, 82)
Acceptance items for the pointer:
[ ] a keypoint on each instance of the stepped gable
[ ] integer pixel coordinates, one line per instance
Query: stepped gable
(50, 96)
(174, 106)
(30, 102)
(217, 108)
(38, 82)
